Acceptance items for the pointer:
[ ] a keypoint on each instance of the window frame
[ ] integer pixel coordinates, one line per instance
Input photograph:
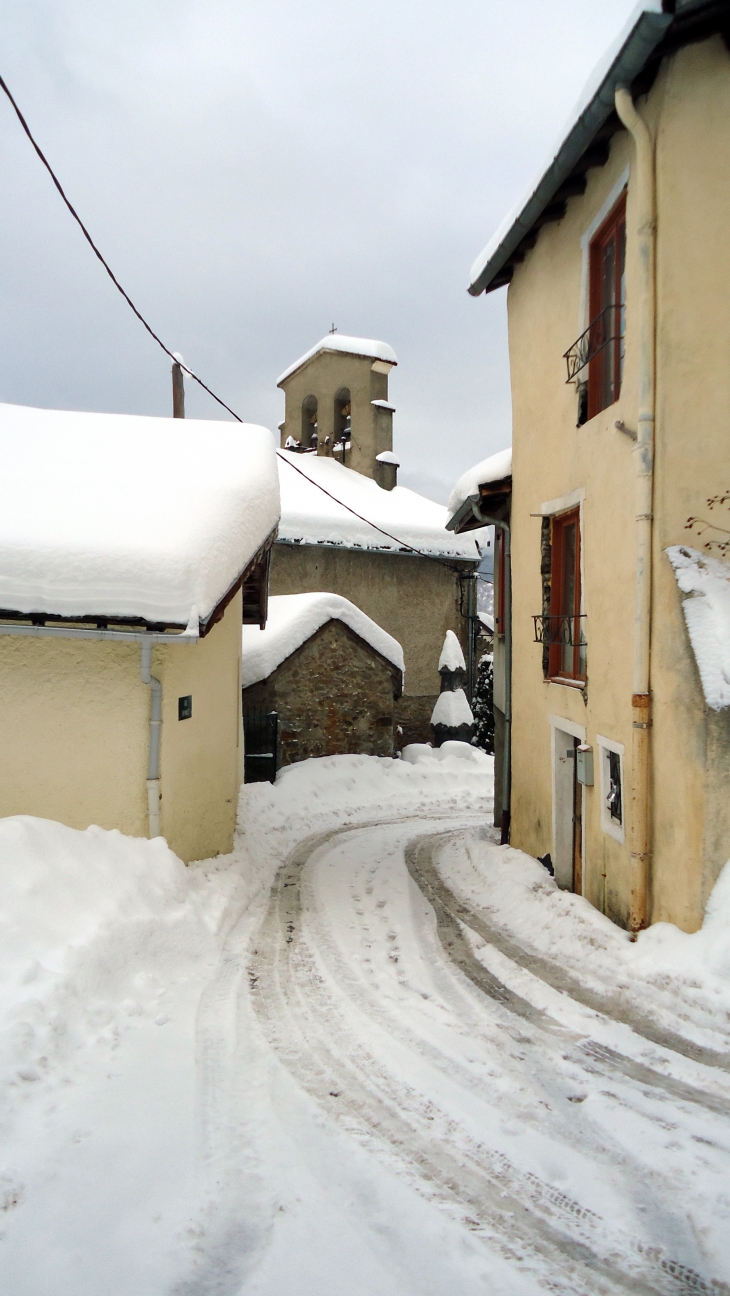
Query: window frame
(612, 354)
(557, 651)
(607, 748)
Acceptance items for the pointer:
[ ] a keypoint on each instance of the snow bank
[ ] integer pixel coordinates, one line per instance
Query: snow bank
(346, 789)
(452, 710)
(493, 469)
(707, 613)
(120, 515)
(368, 347)
(294, 618)
(452, 658)
(309, 516)
(106, 943)
(450, 754)
(95, 927)
(682, 980)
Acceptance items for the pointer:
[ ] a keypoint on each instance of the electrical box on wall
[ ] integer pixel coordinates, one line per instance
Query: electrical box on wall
(584, 764)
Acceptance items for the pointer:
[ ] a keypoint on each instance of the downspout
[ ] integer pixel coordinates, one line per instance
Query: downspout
(153, 764)
(644, 472)
(507, 753)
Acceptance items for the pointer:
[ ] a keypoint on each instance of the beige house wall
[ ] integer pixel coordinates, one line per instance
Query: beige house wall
(76, 735)
(689, 109)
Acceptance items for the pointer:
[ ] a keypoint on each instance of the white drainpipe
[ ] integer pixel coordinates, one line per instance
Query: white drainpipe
(644, 470)
(153, 765)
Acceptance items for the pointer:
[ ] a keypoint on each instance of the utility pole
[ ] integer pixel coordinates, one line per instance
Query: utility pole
(178, 387)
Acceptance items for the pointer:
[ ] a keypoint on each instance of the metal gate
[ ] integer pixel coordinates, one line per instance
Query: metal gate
(260, 737)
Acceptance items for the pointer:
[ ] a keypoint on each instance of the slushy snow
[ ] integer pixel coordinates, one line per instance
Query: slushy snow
(309, 516)
(707, 613)
(294, 618)
(121, 515)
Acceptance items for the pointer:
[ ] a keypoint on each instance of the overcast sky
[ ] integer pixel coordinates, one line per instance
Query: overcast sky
(257, 170)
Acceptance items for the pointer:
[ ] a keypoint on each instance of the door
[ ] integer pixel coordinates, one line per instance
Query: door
(577, 825)
(260, 740)
(567, 814)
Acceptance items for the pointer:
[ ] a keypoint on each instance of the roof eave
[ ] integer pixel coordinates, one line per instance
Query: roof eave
(630, 60)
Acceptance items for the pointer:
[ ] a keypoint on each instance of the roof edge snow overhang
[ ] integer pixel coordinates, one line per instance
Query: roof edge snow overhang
(126, 629)
(658, 29)
(492, 497)
(384, 552)
(396, 671)
(357, 355)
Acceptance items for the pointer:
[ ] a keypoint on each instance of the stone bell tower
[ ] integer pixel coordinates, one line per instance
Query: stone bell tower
(336, 404)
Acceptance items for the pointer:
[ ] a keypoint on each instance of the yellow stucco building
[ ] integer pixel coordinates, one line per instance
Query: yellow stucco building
(129, 548)
(619, 325)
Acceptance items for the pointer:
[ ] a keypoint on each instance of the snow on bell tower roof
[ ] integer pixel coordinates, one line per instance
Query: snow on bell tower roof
(368, 348)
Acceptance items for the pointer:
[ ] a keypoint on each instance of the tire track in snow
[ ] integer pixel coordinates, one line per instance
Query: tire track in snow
(314, 1042)
(425, 873)
(452, 915)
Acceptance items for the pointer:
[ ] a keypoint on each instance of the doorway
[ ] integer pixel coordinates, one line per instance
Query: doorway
(567, 807)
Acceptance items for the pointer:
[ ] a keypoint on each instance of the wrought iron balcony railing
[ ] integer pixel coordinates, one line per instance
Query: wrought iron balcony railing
(564, 630)
(605, 328)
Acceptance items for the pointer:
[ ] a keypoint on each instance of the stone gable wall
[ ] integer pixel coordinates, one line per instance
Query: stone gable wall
(334, 695)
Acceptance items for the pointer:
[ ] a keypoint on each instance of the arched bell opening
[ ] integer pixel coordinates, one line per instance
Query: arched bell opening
(310, 429)
(342, 423)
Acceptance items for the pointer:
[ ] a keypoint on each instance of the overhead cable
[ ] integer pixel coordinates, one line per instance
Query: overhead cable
(401, 543)
(104, 262)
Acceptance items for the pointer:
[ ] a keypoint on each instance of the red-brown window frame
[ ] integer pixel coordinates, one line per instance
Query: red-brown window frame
(614, 227)
(559, 651)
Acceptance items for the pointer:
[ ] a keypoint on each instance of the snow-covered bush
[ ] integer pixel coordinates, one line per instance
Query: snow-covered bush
(482, 704)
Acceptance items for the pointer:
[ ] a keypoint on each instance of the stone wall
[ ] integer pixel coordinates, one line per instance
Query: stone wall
(415, 599)
(335, 694)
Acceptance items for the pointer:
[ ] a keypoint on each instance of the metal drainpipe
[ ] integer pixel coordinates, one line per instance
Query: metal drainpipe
(470, 618)
(153, 765)
(507, 752)
(644, 469)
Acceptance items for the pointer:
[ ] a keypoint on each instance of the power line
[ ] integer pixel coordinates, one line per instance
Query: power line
(401, 543)
(104, 262)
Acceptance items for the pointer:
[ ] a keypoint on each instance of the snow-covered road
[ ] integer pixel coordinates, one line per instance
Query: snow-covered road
(539, 1128)
(370, 1053)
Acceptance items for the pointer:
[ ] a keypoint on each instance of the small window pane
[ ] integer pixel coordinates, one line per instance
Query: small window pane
(614, 799)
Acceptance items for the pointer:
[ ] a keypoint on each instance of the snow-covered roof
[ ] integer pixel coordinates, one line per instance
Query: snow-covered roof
(494, 469)
(309, 516)
(387, 456)
(368, 347)
(707, 613)
(452, 658)
(120, 515)
(294, 618)
(452, 709)
(383, 404)
(622, 62)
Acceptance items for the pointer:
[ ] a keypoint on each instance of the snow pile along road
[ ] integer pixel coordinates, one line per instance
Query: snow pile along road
(105, 942)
